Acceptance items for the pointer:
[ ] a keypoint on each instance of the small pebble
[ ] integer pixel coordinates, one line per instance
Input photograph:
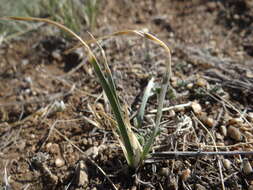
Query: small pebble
(227, 164)
(173, 183)
(250, 116)
(249, 4)
(201, 82)
(189, 85)
(91, 152)
(83, 178)
(199, 187)
(174, 84)
(48, 145)
(223, 130)
(246, 167)
(196, 107)
(59, 162)
(24, 62)
(164, 171)
(172, 113)
(234, 133)
(56, 55)
(209, 122)
(29, 80)
(85, 141)
(53, 148)
(90, 142)
(250, 187)
(218, 136)
(237, 121)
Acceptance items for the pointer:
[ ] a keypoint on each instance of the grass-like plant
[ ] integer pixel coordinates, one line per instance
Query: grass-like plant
(134, 152)
(73, 13)
(91, 11)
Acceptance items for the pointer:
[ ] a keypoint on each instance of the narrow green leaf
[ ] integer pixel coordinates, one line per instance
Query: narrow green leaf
(146, 95)
(116, 110)
(151, 140)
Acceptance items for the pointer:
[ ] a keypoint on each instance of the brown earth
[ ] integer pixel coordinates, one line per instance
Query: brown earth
(43, 147)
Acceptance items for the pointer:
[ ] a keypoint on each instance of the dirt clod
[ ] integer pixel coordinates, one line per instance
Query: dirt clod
(234, 133)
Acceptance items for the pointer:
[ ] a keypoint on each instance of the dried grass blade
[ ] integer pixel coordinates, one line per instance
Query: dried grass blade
(106, 86)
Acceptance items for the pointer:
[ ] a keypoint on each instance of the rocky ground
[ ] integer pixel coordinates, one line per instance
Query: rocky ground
(49, 138)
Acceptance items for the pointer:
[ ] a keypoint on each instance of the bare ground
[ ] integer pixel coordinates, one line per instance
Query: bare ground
(42, 147)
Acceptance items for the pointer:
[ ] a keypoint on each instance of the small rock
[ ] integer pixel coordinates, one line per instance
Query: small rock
(223, 130)
(85, 141)
(234, 133)
(236, 16)
(82, 176)
(59, 162)
(226, 164)
(53, 148)
(189, 85)
(90, 142)
(250, 187)
(237, 121)
(249, 73)
(250, 116)
(28, 80)
(196, 107)
(246, 167)
(199, 187)
(173, 183)
(218, 136)
(24, 62)
(48, 145)
(91, 152)
(209, 122)
(201, 82)
(56, 55)
(164, 171)
(174, 84)
(21, 146)
(60, 106)
(172, 113)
